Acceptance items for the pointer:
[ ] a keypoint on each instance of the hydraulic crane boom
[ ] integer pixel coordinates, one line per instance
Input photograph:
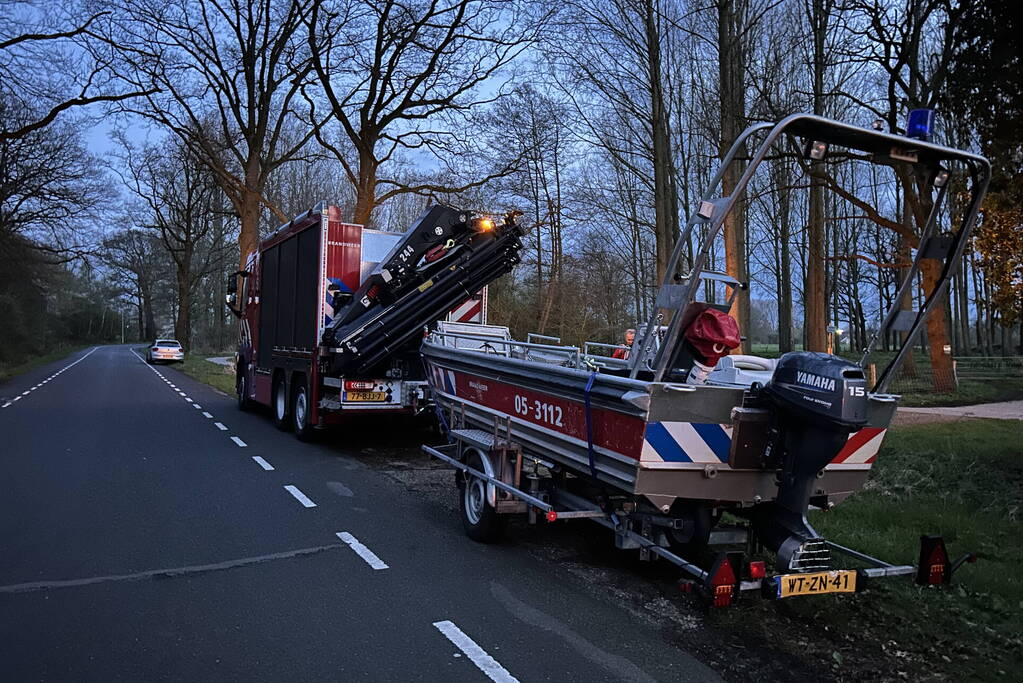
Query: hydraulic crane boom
(445, 258)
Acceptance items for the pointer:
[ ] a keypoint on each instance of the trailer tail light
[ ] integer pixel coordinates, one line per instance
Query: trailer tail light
(757, 569)
(722, 582)
(352, 385)
(933, 569)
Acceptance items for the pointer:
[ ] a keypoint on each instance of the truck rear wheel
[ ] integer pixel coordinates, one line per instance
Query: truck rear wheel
(281, 410)
(242, 389)
(300, 411)
(479, 518)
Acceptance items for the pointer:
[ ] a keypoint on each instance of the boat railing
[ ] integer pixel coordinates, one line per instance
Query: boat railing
(531, 336)
(601, 345)
(570, 356)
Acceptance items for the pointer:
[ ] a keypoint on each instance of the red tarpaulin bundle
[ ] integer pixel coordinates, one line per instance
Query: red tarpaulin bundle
(713, 334)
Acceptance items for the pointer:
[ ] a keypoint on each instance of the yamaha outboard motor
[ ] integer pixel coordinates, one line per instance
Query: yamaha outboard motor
(817, 400)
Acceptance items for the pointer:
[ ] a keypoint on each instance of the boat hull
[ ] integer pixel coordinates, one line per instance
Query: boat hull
(662, 441)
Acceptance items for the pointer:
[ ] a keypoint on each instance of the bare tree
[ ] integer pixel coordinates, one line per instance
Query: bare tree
(227, 77)
(392, 71)
(608, 62)
(910, 49)
(133, 255)
(43, 67)
(179, 194)
(50, 188)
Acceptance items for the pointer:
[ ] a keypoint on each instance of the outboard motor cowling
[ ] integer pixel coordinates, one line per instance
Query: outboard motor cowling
(817, 400)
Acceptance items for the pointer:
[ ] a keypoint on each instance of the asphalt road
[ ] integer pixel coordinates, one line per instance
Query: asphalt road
(150, 530)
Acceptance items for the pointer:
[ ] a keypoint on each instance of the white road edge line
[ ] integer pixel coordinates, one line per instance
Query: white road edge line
(263, 463)
(299, 496)
(205, 414)
(220, 426)
(238, 441)
(362, 551)
(66, 367)
(484, 662)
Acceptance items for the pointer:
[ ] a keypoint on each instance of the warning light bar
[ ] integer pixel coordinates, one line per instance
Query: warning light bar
(921, 124)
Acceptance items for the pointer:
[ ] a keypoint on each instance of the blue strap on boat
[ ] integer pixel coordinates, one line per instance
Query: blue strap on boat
(603, 497)
(589, 425)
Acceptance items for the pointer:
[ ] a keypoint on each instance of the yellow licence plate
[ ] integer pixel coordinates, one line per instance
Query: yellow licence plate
(818, 583)
(366, 396)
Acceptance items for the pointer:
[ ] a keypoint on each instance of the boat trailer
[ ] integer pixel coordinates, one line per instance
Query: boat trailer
(660, 445)
(728, 575)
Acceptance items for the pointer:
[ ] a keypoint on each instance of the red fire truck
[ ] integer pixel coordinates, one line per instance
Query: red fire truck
(332, 313)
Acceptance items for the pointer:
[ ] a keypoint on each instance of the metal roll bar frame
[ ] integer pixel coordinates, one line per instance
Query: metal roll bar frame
(712, 213)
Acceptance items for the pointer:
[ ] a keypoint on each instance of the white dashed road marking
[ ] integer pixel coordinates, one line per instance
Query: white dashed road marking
(299, 496)
(238, 441)
(207, 415)
(263, 463)
(362, 551)
(220, 426)
(474, 652)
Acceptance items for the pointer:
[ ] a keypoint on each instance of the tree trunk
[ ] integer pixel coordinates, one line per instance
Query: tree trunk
(183, 322)
(148, 330)
(814, 293)
(248, 233)
(814, 305)
(732, 90)
(664, 209)
(784, 262)
(366, 192)
(937, 330)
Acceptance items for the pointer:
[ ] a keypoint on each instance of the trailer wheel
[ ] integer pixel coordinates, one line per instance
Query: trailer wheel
(479, 518)
(280, 405)
(300, 411)
(693, 541)
(242, 388)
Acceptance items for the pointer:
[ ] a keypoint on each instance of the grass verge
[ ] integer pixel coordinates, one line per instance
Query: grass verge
(963, 480)
(970, 392)
(8, 371)
(198, 367)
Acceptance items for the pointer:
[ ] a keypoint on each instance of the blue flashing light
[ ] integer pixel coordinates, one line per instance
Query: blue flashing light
(921, 124)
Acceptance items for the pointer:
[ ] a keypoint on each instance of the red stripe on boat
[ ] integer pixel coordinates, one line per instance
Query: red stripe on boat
(856, 442)
(612, 431)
